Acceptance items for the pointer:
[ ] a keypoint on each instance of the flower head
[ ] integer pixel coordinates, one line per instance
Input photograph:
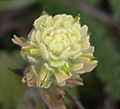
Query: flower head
(58, 48)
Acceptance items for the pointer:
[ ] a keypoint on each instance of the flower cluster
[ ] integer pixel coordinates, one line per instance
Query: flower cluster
(58, 48)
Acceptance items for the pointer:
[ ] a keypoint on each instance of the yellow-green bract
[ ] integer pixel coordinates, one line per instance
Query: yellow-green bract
(57, 49)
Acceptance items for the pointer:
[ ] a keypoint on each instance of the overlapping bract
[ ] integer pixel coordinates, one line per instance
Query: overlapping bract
(58, 48)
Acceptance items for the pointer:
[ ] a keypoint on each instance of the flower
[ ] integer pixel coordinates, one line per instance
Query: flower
(58, 48)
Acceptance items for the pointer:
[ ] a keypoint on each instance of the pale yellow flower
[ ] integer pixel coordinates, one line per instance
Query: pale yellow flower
(57, 48)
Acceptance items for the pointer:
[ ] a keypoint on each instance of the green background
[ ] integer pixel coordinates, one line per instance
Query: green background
(101, 88)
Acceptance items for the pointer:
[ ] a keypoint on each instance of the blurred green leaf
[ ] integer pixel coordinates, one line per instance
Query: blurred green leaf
(21, 104)
(115, 6)
(58, 7)
(92, 86)
(31, 99)
(10, 4)
(10, 84)
(73, 91)
(108, 68)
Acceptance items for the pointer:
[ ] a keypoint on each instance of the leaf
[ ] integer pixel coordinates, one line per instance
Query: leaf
(10, 84)
(31, 99)
(5, 4)
(115, 5)
(58, 7)
(108, 68)
(73, 91)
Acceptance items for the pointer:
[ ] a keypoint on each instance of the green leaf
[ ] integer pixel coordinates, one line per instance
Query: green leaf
(73, 91)
(108, 68)
(115, 5)
(92, 88)
(10, 4)
(30, 99)
(10, 84)
(58, 7)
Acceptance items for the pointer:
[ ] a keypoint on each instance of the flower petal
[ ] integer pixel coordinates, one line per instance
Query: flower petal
(29, 76)
(44, 78)
(61, 76)
(40, 22)
(76, 67)
(18, 41)
(89, 66)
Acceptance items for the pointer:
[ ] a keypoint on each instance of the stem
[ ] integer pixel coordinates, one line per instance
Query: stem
(75, 101)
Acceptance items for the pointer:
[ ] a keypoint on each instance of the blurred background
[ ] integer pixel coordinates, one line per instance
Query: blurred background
(101, 88)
